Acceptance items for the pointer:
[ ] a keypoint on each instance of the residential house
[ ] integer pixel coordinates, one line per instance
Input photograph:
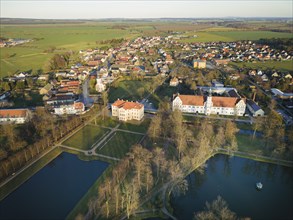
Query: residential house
(17, 116)
(209, 104)
(199, 64)
(125, 110)
(45, 90)
(174, 81)
(100, 86)
(69, 109)
(254, 108)
(221, 62)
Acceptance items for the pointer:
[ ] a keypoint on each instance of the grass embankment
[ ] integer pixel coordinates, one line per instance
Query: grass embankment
(27, 173)
(119, 144)
(82, 206)
(136, 126)
(86, 137)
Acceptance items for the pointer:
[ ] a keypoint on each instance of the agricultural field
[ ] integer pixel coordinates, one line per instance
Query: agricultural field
(119, 144)
(227, 36)
(64, 37)
(283, 66)
(86, 137)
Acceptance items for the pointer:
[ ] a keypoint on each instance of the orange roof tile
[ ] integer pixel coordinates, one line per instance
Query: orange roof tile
(192, 100)
(118, 103)
(12, 113)
(228, 102)
(127, 105)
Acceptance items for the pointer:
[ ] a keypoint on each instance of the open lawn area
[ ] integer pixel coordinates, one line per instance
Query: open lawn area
(136, 126)
(227, 36)
(106, 122)
(119, 144)
(277, 65)
(130, 90)
(163, 92)
(256, 146)
(86, 137)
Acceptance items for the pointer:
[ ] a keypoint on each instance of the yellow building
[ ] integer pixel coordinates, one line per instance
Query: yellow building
(199, 64)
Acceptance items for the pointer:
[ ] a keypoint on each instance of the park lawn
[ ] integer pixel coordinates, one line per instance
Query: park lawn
(107, 122)
(136, 126)
(256, 146)
(129, 90)
(86, 137)
(29, 172)
(226, 36)
(119, 144)
(277, 65)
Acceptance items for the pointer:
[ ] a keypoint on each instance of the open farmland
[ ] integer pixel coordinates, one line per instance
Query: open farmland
(277, 65)
(228, 36)
(64, 37)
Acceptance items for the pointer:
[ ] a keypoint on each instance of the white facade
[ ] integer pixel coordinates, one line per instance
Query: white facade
(17, 116)
(209, 105)
(70, 109)
(127, 110)
(100, 86)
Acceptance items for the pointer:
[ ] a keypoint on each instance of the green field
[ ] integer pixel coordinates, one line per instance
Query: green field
(227, 36)
(277, 65)
(136, 126)
(65, 37)
(107, 122)
(86, 137)
(128, 90)
(119, 144)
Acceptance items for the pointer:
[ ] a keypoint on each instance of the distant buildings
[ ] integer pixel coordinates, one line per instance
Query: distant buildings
(100, 86)
(174, 81)
(199, 64)
(125, 110)
(69, 109)
(17, 116)
(210, 105)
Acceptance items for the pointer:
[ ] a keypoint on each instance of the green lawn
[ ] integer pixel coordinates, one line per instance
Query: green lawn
(107, 122)
(277, 65)
(86, 137)
(226, 36)
(256, 146)
(129, 90)
(119, 144)
(136, 126)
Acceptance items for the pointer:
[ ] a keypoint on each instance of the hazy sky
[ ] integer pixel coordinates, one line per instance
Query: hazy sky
(144, 8)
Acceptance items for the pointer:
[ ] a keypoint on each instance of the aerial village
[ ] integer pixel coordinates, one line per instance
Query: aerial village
(201, 74)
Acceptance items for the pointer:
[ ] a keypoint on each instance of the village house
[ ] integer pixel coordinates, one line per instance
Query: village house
(174, 81)
(125, 110)
(254, 108)
(45, 90)
(69, 109)
(209, 104)
(199, 64)
(17, 116)
(100, 86)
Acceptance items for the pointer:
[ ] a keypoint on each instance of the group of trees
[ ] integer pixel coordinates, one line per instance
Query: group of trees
(145, 169)
(21, 143)
(59, 61)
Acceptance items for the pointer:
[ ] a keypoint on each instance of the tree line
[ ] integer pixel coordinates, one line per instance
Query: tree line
(21, 143)
(146, 168)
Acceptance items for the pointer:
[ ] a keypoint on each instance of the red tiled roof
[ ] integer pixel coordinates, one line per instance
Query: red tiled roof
(13, 113)
(127, 105)
(192, 100)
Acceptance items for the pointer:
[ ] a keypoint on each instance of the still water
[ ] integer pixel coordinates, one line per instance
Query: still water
(52, 192)
(234, 179)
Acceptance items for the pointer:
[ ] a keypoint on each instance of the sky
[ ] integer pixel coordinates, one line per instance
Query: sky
(94, 9)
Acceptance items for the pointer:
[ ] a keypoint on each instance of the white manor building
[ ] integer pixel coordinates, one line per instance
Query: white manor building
(17, 116)
(125, 110)
(209, 105)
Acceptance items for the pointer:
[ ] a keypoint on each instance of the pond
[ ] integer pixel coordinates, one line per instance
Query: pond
(54, 191)
(234, 179)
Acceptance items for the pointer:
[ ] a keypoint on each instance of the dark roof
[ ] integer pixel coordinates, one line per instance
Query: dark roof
(233, 93)
(253, 105)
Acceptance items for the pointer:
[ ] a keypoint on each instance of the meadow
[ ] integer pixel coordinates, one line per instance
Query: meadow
(64, 37)
(283, 66)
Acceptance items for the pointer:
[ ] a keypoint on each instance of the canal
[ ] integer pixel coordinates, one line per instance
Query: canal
(234, 179)
(54, 191)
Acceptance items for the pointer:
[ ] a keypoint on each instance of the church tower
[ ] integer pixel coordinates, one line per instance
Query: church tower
(209, 103)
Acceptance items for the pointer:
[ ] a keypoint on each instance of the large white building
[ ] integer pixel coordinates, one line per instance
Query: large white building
(125, 110)
(69, 109)
(209, 105)
(17, 116)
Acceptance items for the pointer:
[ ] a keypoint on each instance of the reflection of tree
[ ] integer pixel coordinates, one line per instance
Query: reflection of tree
(227, 166)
